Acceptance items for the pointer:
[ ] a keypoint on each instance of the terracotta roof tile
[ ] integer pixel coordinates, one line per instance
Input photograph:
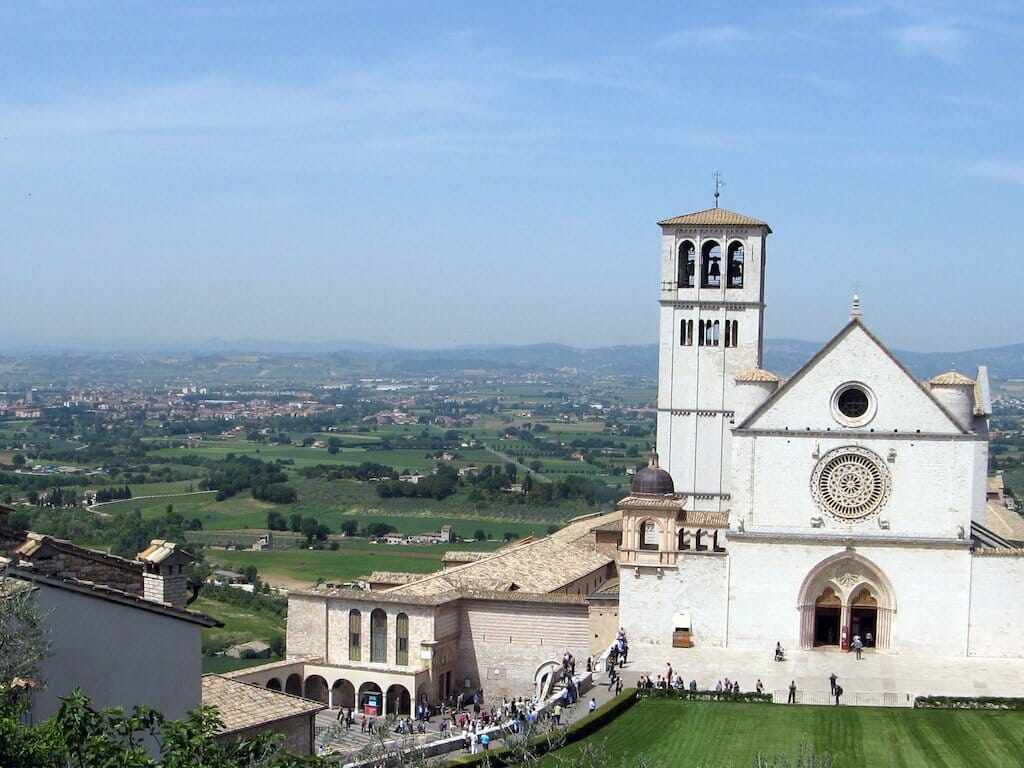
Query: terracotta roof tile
(242, 705)
(715, 216)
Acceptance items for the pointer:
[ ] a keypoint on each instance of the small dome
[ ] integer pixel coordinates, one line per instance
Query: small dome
(952, 379)
(652, 480)
(758, 375)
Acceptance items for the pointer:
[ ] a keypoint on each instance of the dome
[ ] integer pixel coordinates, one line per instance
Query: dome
(952, 379)
(652, 480)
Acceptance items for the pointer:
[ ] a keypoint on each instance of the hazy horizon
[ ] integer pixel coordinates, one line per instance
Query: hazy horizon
(482, 174)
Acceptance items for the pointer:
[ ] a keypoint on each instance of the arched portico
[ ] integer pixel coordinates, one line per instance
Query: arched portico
(316, 688)
(371, 699)
(293, 684)
(398, 700)
(846, 591)
(343, 694)
(274, 684)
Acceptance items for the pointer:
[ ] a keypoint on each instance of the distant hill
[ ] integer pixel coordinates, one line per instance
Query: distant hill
(222, 361)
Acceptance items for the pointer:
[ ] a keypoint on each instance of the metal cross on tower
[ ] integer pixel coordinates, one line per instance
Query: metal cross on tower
(718, 185)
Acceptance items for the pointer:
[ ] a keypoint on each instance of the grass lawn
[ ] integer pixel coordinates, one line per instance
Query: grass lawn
(299, 567)
(221, 664)
(689, 734)
(260, 625)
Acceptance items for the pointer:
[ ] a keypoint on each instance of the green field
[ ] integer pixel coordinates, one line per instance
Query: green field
(688, 734)
(221, 664)
(299, 566)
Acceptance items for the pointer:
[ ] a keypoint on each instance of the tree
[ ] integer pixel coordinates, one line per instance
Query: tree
(479, 534)
(18, 460)
(350, 527)
(295, 523)
(23, 639)
(535, 465)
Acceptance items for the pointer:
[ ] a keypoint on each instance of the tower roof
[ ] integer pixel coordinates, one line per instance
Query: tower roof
(653, 480)
(952, 379)
(720, 216)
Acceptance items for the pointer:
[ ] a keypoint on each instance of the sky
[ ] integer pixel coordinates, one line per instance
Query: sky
(435, 174)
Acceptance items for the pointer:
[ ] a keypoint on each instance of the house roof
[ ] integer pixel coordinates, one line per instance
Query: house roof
(541, 566)
(160, 552)
(715, 216)
(243, 706)
(103, 592)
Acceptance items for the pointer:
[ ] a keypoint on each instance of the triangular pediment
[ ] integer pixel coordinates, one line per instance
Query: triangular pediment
(854, 358)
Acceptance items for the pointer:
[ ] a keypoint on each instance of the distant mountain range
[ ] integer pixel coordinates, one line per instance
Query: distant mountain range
(336, 359)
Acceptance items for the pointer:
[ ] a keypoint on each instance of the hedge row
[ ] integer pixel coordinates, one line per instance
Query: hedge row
(673, 693)
(968, 702)
(578, 730)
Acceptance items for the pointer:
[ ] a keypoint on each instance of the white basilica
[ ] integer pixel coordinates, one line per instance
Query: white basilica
(849, 499)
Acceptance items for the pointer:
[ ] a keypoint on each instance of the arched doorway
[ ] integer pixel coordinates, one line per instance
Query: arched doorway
(274, 684)
(828, 610)
(343, 694)
(293, 684)
(316, 688)
(846, 592)
(864, 616)
(398, 700)
(371, 699)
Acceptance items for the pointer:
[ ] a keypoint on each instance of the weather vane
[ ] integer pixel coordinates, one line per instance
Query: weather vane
(718, 185)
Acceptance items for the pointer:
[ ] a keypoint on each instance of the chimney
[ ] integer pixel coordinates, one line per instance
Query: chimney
(165, 579)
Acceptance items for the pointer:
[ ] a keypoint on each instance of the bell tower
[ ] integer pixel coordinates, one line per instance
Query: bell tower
(711, 325)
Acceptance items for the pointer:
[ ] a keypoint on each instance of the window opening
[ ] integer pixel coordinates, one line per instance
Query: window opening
(355, 625)
(710, 265)
(735, 274)
(687, 263)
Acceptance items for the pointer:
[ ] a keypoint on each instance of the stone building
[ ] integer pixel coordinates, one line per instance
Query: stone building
(498, 621)
(848, 500)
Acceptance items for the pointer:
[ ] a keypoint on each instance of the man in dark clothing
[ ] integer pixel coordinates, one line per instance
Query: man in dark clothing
(832, 682)
(792, 692)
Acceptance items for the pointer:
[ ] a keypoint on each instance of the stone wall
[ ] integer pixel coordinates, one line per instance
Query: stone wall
(307, 627)
(297, 732)
(503, 643)
(70, 562)
(997, 615)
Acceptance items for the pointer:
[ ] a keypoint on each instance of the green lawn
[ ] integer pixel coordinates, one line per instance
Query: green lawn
(298, 566)
(689, 734)
(222, 664)
(260, 625)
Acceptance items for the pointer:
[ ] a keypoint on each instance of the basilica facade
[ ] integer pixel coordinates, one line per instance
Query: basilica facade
(848, 500)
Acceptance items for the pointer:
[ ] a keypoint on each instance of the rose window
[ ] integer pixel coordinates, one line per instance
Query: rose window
(850, 484)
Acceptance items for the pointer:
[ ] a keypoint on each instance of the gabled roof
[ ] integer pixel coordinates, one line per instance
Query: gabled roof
(242, 705)
(855, 323)
(715, 216)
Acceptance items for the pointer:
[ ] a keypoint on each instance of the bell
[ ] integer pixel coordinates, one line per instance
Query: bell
(714, 271)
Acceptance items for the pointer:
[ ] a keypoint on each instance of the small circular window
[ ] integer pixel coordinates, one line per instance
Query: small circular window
(853, 405)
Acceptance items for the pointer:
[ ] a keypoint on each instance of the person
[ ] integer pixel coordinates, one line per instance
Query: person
(485, 741)
(869, 640)
(592, 705)
(858, 646)
(839, 692)
(792, 692)
(557, 714)
(618, 686)
(780, 652)
(362, 724)
(759, 687)
(832, 683)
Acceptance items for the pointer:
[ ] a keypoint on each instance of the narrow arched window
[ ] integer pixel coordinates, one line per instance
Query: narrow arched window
(650, 534)
(715, 331)
(735, 332)
(355, 635)
(700, 334)
(689, 333)
(378, 636)
(728, 333)
(711, 265)
(402, 640)
(682, 332)
(686, 264)
(735, 265)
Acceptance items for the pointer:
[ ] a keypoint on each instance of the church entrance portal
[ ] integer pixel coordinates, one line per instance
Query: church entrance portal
(846, 592)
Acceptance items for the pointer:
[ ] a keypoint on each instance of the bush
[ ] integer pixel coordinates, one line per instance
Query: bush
(672, 693)
(969, 702)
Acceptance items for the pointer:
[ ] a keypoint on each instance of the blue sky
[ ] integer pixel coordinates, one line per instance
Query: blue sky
(428, 174)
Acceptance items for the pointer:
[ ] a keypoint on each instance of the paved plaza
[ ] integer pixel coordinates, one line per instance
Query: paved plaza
(877, 673)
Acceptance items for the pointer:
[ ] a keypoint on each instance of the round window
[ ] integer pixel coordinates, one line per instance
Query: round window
(853, 405)
(851, 484)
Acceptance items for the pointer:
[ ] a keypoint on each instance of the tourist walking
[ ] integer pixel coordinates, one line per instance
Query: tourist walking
(832, 683)
(839, 692)
(858, 646)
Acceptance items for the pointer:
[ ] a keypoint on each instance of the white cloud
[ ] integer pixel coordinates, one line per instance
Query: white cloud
(943, 40)
(705, 36)
(1011, 172)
